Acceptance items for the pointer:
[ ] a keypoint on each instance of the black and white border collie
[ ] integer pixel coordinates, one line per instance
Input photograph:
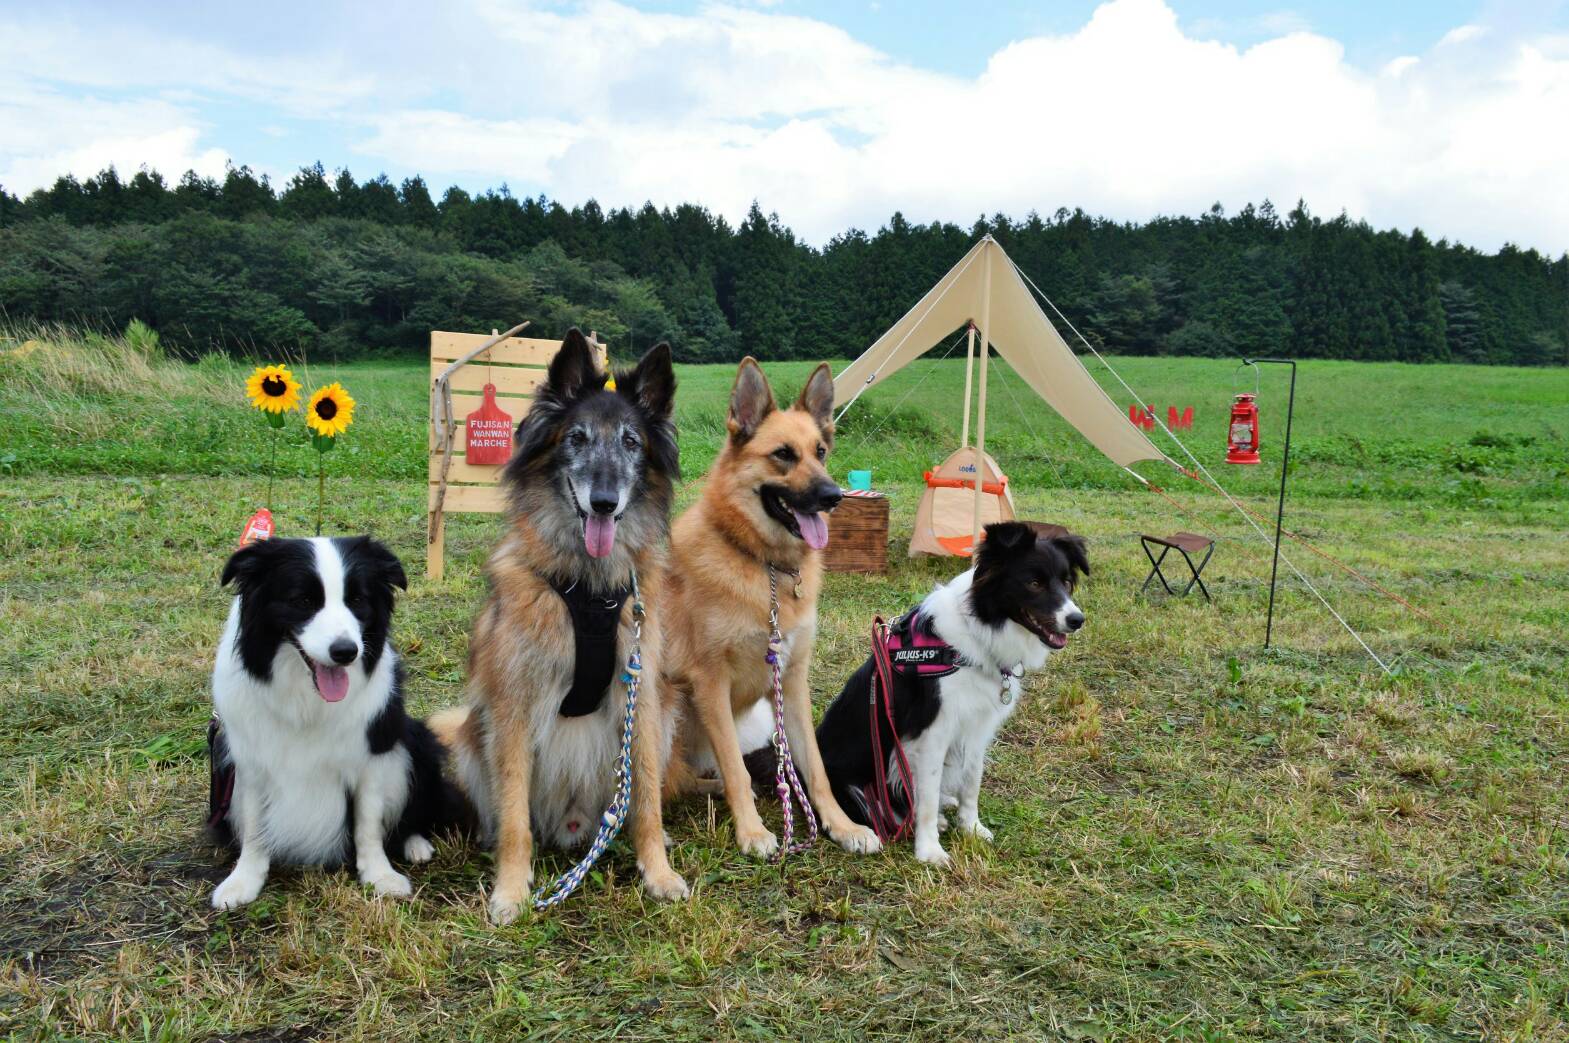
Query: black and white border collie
(1004, 617)
(326, 766)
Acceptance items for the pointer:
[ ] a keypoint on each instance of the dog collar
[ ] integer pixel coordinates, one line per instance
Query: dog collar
(596, 619)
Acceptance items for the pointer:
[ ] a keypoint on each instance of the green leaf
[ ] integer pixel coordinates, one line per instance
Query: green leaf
(275, 420)
(323, 443)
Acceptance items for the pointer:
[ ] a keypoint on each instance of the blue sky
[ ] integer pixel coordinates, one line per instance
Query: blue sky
(1438, 114)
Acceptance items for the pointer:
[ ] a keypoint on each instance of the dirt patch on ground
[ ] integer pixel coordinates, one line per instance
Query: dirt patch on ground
(55, 923)
(276, 1034)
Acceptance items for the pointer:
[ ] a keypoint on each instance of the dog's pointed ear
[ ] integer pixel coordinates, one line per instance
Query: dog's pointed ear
(652, 384)
(1076, 550)
(573, 370)
(1011, 537)
(751, 400)
(817, 398)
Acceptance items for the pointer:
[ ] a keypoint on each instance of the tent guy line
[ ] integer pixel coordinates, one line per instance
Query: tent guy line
(1202, 469)
(1011, 321)
(906, 397)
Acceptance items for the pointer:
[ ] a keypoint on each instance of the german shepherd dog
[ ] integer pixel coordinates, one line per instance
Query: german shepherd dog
(761, 506)
(589, 488)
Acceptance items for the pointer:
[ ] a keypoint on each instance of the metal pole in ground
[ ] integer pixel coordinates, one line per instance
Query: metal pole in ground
(1280, 509)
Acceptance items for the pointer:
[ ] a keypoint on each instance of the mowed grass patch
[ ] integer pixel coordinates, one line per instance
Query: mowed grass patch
(1196, 838)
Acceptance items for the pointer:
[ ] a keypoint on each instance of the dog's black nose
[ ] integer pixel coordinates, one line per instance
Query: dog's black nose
(343, 651)
(602, 503)
(828, 496)
(1075, 620)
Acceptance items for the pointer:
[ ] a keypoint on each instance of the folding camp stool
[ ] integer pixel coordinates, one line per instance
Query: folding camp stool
(1185, 543)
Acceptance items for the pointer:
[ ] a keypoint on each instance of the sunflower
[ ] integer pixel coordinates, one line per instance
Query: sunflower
(273, 389)
(330, 411)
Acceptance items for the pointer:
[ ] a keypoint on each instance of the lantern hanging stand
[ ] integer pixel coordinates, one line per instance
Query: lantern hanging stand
(1285, 459)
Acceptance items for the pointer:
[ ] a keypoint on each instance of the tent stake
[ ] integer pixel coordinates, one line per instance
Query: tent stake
(980, 419)
(969, 371)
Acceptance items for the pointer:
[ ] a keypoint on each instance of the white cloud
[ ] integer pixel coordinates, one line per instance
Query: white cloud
(1130, 116)
(1462, 33)
(97, 133)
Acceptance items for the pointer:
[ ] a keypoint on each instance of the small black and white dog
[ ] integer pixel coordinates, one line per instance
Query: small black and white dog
(314, 760)
(993, 623)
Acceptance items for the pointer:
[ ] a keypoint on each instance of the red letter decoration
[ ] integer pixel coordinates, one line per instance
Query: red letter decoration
(489, 433)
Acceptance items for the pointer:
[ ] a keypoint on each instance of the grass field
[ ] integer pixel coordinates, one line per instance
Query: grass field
(1196, 838)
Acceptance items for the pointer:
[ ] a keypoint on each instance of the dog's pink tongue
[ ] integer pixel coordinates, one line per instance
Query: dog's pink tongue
(331, 681)
(814, 529)
(599, 535)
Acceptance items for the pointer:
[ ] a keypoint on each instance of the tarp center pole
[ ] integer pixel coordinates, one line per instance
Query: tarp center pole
(980, 417)
(969, 372)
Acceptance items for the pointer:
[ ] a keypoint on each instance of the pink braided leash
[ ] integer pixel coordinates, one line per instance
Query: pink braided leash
(786, 781)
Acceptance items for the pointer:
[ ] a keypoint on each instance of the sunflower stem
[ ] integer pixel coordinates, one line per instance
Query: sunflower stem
(272, 469)
(321, 488)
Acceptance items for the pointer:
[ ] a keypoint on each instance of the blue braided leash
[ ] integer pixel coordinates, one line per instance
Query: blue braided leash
(611, 821)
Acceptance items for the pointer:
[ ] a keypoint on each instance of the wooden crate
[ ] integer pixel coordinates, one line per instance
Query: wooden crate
(516, 366)
(858, 535)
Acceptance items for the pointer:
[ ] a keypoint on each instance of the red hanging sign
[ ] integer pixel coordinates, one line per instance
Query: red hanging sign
(258, 528)
(489, 433)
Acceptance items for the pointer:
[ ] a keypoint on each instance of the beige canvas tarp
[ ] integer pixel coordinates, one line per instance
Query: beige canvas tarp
(1020, 333)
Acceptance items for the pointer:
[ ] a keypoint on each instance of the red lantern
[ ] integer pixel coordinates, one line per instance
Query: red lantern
(1242, 435)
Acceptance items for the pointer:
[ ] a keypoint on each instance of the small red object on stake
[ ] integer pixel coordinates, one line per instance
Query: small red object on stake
(489, 441)
(1242, 434)
(258, 528)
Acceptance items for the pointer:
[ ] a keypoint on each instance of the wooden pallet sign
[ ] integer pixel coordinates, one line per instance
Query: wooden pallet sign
(516, 366)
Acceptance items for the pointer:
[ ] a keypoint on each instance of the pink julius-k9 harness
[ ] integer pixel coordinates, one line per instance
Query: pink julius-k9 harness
(909, 648)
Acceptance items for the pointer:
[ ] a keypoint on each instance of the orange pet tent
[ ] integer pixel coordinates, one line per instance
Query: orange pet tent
(986, 292)
(944, 519)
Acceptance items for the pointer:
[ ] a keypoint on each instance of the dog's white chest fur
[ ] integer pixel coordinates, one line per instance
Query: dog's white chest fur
(304, 754)
(976, 700)
(574, 766)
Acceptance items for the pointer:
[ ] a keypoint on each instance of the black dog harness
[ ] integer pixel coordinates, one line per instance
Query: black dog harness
(596, 619)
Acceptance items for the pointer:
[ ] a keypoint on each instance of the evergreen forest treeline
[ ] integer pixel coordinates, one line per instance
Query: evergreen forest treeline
(332, 265)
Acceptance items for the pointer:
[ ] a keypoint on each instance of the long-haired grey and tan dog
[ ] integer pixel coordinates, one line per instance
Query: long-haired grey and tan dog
(589, 489)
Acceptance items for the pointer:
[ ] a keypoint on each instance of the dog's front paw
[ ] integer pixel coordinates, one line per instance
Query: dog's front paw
(514, 884)
(758, 842)
(666, 885)
(932, 854)
(417, 849)
(858, 840)
(975, 829)
(388, 883)
(238, 888)
(504, 908)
